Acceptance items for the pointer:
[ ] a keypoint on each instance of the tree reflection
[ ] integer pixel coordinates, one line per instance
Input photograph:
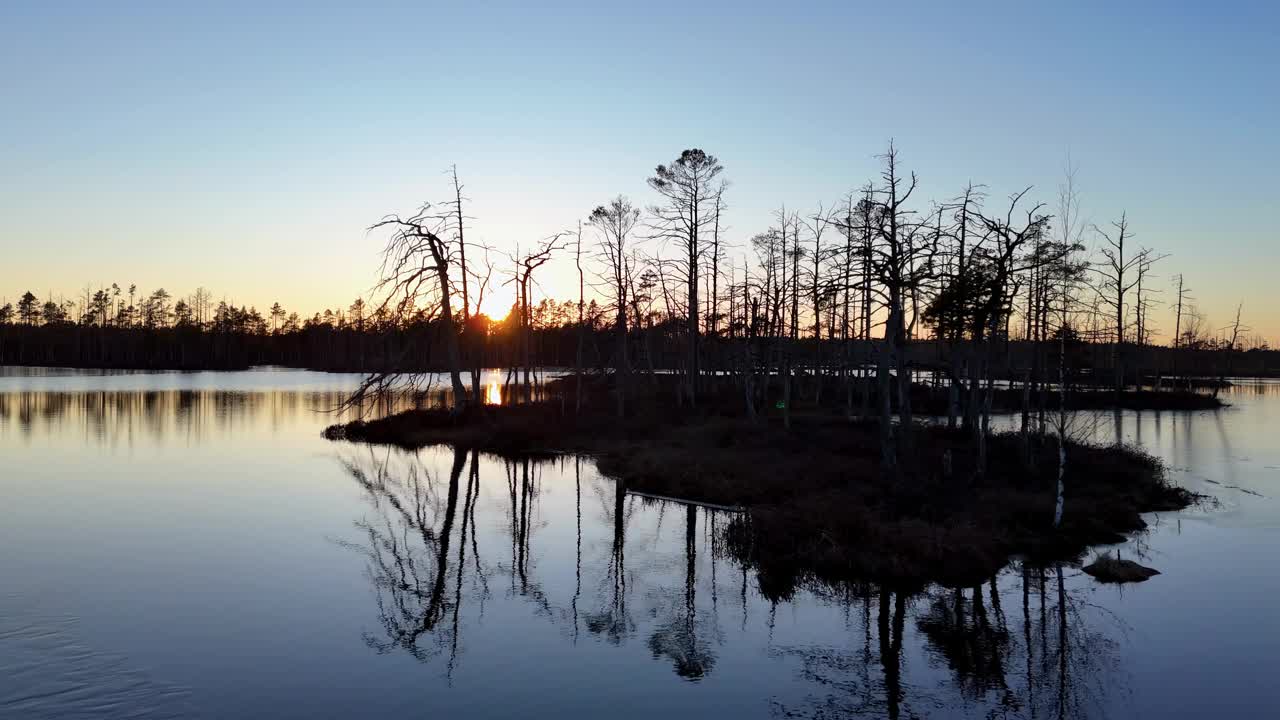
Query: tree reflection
(419, 540)
(407, 557)
(974, 643)
(1063, 663)
(1068, 662)
(610, 620)
(420, 528)
(678, 638)
(863, 682)
(891, 651)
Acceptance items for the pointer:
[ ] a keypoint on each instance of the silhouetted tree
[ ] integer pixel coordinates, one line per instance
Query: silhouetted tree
(689, 199)
(614, 223)
(1116, 277)
(415, 272)
(28, 309)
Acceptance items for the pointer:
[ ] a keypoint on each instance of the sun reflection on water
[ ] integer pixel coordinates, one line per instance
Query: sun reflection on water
(493, 393)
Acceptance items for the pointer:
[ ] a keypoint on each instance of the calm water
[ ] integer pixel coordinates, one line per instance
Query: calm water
(186, 545)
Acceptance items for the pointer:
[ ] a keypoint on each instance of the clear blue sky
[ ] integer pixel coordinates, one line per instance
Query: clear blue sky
(246, 146)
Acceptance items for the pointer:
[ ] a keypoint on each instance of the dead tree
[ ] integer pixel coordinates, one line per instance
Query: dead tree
(817, 225)
(525, 266)
(793, 334)
(1117, 276)
(1063, 278)
(713, 315)
(847, 228)
(686, 186)
(902, 257)
(1184, 294)
(1143, 292)
(416, 263)
(614, 223)
(457, 221)
(582, 329)
(1230, 349)
(1010, 253)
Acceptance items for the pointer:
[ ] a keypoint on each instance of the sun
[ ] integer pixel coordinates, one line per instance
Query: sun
(497, 302)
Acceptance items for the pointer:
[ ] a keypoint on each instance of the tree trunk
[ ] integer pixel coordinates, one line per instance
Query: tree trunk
(451, 340)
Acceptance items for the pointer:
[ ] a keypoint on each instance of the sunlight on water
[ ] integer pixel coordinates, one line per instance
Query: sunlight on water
(493, 394)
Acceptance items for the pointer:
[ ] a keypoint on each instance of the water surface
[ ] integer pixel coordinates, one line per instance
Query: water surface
(186, 545)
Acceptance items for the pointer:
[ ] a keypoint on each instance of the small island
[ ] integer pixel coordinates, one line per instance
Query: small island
(819, 503)
(885, 393)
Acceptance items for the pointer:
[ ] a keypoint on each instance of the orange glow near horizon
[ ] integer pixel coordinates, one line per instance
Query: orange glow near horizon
(497, 302)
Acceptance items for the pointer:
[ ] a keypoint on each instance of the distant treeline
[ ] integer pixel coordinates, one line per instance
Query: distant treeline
(167, 337)
(192, 334)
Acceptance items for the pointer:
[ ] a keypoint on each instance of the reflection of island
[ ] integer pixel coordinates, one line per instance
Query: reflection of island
(421, 527)
(429, 568)
(431, 560)
(1056, 665)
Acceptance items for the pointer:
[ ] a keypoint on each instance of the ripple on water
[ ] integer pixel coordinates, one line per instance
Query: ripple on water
(47, 672)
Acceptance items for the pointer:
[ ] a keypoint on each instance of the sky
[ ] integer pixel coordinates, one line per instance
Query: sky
(247, 147)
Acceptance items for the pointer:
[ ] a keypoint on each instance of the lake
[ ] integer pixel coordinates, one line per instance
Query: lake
(181, 545)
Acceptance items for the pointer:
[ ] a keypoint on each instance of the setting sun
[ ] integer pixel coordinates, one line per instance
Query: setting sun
(497, 302)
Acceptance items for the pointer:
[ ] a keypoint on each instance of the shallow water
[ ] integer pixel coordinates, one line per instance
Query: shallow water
(186, 545)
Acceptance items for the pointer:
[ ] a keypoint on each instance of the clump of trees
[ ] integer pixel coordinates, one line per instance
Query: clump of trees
(856, 303)
(866, 303)
(880, 294)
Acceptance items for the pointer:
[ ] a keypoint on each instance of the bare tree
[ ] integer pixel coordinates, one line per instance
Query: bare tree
(686, 186)
(1195, 328)
(1062, 282)
(1184, 295)
(1117, 277)
(525, 266)
(902, 257)
(614, 223)
(416, 263)
(1143, 301)
(713, 315)
(846, 227)
(456, 220)
(582, 328)
(1230, 348)
(791, 222)
(817, 225)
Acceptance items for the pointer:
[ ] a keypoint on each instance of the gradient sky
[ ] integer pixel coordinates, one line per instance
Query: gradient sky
(246, 146)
